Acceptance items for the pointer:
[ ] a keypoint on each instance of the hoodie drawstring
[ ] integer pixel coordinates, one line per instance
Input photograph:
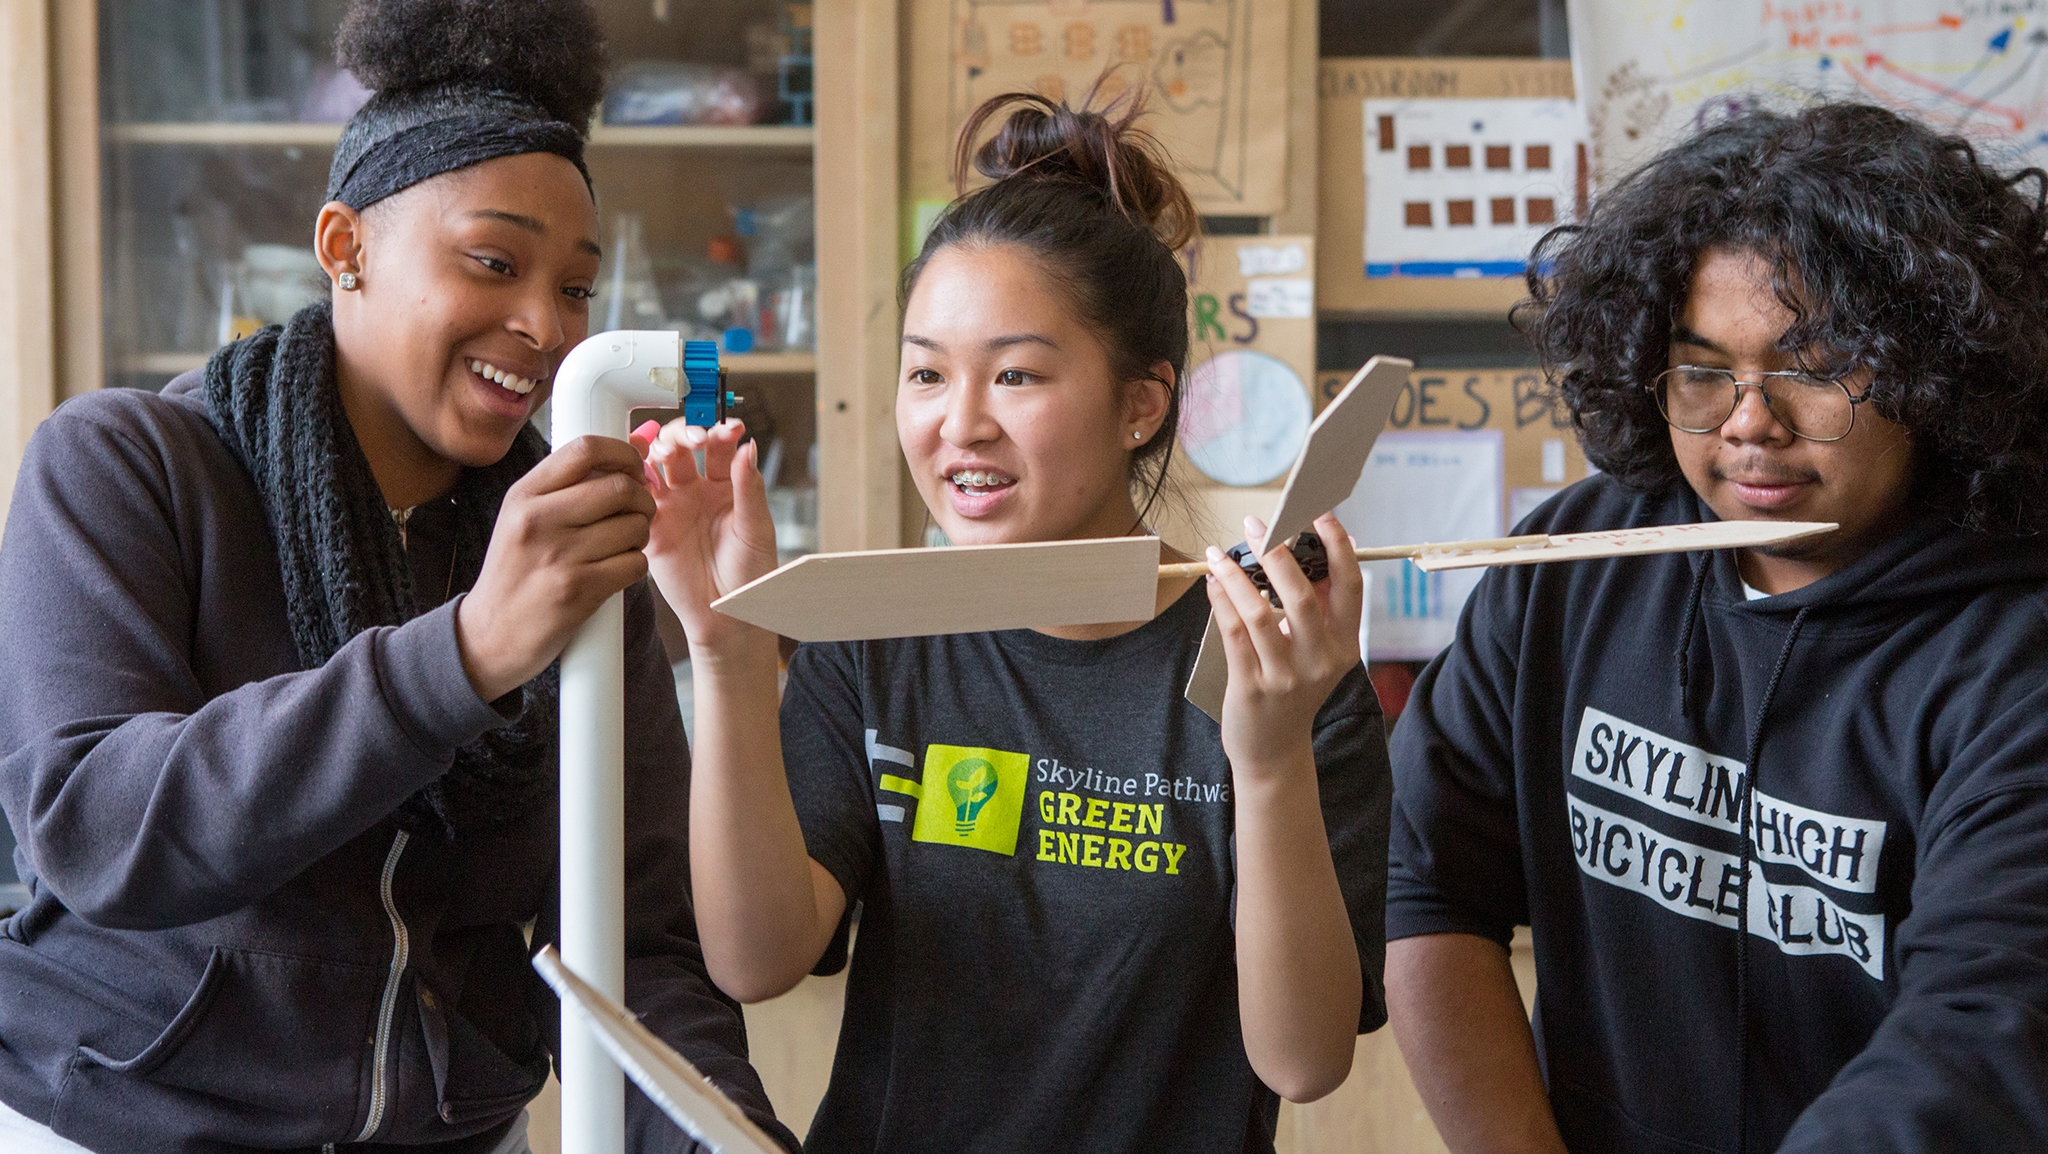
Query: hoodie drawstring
(1685, 631)
(1755, 751)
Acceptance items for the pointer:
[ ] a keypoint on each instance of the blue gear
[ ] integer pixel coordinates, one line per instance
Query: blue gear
(705, 401)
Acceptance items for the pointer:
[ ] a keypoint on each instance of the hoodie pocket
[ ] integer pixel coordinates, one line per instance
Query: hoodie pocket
(173, 1035)
(473, 1077)
(274, 1042)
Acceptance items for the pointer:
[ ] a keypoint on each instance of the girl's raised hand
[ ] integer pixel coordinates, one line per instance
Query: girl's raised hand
(711, 532)
(1283, 665)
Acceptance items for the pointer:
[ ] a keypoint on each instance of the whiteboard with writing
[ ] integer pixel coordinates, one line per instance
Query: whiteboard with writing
(1651, 72)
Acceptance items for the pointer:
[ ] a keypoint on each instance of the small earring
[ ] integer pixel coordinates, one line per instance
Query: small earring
(348, 280)
(1136, 435)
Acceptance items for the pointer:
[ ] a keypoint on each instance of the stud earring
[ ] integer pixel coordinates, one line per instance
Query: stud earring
(348, 280)
(1136, 435)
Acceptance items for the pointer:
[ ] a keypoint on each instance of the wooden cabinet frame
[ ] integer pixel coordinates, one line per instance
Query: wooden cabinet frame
(856, 167)
(51, 325)
(49, 235)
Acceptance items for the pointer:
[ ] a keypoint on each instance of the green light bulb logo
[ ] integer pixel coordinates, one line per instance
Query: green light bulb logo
(971, 782)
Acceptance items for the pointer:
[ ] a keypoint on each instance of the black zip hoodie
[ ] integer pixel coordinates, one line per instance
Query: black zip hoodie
(1576, 762)
(230, 946)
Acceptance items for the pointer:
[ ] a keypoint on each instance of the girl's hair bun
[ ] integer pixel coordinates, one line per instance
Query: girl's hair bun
(1044, 139)
(548, 51)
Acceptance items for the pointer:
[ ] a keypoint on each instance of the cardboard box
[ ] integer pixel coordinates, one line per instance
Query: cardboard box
(1246, 294)
(1215, 79)
(1255, 292)
(1540, 450)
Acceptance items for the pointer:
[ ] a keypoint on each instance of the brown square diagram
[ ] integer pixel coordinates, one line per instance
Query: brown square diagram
(1417, 212)
(1458, 212)
(1457, 156)
(1542, 210)
(1418, 157)
(1499, 156)
(1503, 209)
(1537, 157)
(1080, 38)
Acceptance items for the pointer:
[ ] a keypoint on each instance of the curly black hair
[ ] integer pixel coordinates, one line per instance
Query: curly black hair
(1897, 248)
(548, 51)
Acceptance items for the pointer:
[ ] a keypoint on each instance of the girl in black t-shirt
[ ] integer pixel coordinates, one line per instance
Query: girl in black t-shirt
(1091, 920)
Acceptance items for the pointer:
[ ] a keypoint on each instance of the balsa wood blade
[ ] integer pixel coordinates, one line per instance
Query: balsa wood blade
(668, 1078)
(1332, 460)
(1333, 457)
(1634, 543)
(880, 593)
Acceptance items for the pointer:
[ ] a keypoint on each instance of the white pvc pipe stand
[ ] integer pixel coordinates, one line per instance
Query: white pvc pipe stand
(599, 384)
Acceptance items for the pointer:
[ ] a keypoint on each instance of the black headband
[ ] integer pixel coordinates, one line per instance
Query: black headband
(400, 139)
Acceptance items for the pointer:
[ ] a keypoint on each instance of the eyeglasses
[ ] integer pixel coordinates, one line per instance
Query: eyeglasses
(1698, 400)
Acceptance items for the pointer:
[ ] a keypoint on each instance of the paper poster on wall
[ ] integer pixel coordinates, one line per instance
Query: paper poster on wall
(1652, 71)
(1244, 417)
(1343, 86)
(1214, 74)
(1540, 446)
(1464, 188)
(1422, 487)
(1251, 357)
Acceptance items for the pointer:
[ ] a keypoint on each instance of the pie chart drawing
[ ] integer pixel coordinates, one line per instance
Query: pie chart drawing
(1244, 417)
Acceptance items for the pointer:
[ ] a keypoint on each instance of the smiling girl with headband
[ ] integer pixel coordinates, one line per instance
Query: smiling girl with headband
(278, 735)
(1090, 920)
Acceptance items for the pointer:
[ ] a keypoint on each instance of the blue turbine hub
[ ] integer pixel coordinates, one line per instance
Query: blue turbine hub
(705, 401)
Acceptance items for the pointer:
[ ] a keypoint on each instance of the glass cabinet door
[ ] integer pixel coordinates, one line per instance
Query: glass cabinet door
(219, 119)
(213, 165)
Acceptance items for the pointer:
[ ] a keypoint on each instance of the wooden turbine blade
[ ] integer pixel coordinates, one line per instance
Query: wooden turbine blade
(682, 1092)
(1537, 547)
(1334, 454)
(1628, 543)
(882, 593)
(1331, 461)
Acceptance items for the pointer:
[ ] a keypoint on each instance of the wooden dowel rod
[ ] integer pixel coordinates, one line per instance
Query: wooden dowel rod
(1393, 552)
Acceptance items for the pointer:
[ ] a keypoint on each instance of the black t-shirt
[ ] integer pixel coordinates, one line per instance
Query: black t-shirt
(1039, 834)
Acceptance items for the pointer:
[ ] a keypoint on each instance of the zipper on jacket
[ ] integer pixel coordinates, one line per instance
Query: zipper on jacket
(401, 950)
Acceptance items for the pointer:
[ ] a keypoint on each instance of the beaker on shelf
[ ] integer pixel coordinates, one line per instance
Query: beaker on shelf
(631, 300)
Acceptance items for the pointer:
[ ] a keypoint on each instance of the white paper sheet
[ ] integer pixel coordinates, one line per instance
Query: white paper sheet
(1651, 71)
(1422, 487)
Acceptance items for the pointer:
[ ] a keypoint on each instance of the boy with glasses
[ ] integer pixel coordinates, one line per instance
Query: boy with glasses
(1778, 818)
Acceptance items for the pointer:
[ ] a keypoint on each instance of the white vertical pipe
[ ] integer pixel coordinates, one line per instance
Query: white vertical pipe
(598, 385)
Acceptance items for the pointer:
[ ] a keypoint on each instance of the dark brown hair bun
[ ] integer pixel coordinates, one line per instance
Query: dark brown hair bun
(1045, 139)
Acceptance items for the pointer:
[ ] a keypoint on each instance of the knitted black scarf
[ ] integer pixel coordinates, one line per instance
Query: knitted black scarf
(275, 400)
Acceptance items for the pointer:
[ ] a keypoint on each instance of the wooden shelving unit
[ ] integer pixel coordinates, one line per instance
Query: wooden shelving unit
(221, 132)
(172, 363)
(738, 364)
(690, 173)
(769, 364)
(762, 137)
(1419, 298)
